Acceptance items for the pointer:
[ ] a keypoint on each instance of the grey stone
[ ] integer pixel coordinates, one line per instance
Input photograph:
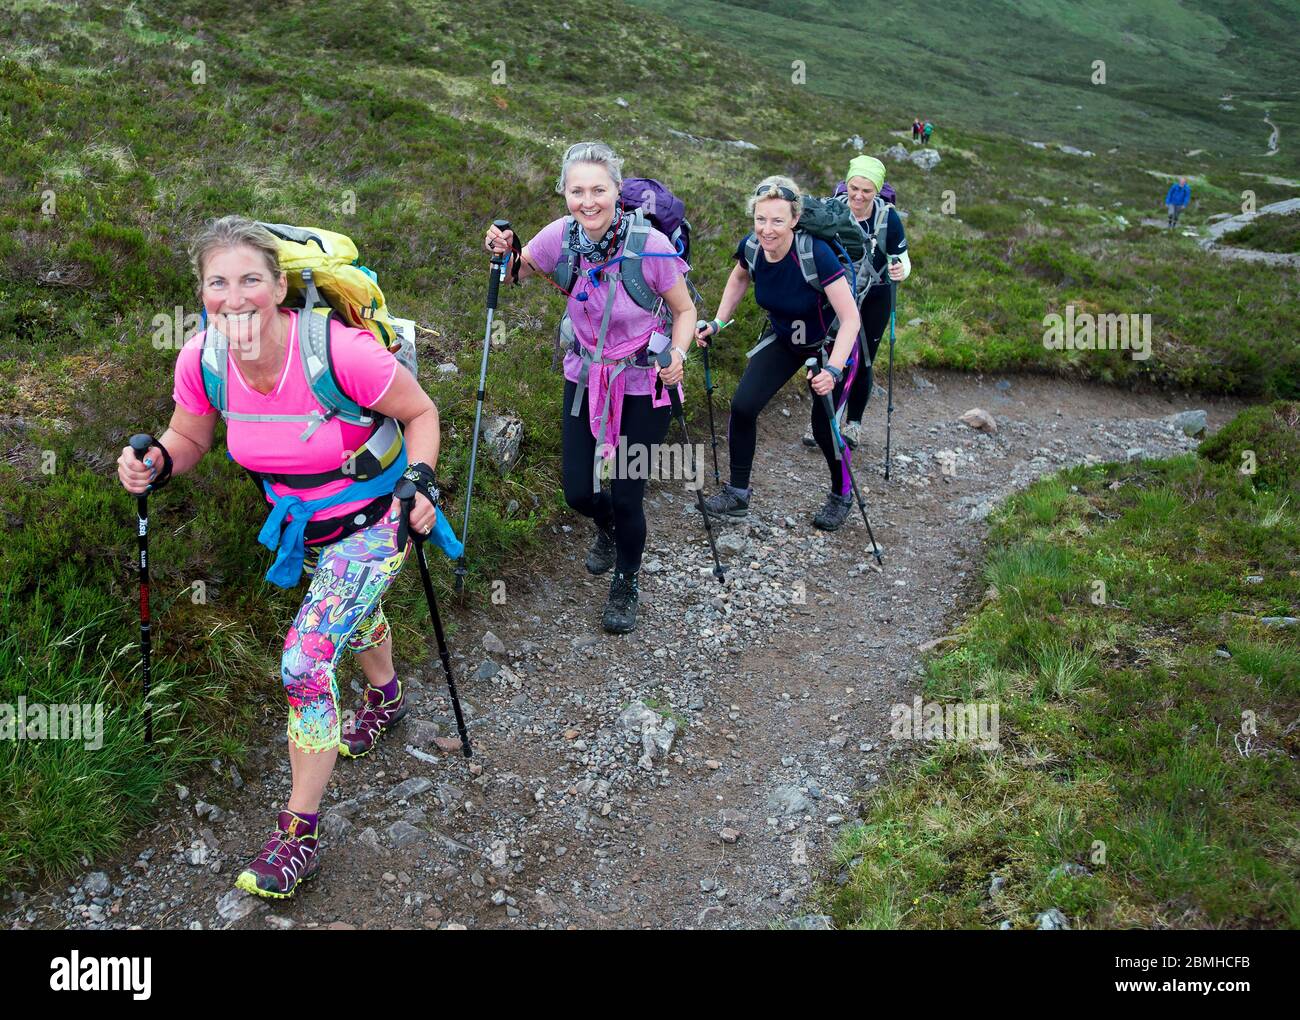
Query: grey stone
(980, 420)
(730, 542)
(898, 153)
(492, 644)
(502, 437)
(333, 825)
(789, 800)
(402, 834)
(369, 838)
(925, 159)
(1052, 920)
(238, 904)
(1192, 423)
(996, 884)
(421, 732)
(97, 883)
(812, 922)
(487, 669)
(409, 788)
(1279, 621)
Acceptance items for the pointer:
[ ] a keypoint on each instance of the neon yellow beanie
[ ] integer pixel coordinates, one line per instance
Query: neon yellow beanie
(869, 167)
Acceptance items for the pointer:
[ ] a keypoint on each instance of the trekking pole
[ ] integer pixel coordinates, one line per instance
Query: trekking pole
(665, 359)
(708, 390)
(889, 409)
(404, 491)
(140, 444)
(841, 445)
(496, 274)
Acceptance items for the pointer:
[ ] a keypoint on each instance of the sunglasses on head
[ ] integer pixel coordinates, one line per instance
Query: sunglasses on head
(775, 191)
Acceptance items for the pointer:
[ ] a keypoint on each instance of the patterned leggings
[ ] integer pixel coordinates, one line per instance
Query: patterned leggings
(342, 607)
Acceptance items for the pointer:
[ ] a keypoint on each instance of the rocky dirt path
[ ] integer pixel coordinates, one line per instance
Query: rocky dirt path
(692, 774)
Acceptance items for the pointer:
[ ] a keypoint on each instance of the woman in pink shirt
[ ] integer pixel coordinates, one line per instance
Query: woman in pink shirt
(353, 541)
(611, 396)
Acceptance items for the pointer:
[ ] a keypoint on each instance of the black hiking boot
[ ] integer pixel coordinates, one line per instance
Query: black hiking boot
(620, 610)
(728, 502)
(600, 557)
(832, 516)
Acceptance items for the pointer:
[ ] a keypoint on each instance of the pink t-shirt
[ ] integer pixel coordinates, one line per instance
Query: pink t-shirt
(364, 369)
(628, 321)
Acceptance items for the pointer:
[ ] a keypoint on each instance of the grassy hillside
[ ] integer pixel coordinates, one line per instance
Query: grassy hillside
(121, 145)
(1026, 68)
(1145, 768)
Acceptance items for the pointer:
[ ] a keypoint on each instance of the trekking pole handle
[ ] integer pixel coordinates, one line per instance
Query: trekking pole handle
(497, 272)
(404, 493)
(502, 225)
(140, 444)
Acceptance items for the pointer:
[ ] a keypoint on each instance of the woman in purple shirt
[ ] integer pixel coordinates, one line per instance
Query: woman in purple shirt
(615, 405)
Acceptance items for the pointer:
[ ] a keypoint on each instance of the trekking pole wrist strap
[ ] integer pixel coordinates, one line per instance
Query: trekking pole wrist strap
(836, 372)
(165, 475)
(421, 475)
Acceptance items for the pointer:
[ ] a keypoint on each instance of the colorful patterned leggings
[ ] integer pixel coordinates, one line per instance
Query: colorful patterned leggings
(342, 607)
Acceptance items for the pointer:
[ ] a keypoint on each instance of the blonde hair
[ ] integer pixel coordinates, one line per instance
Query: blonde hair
(767, 188)
(233, 232)
(590, 152)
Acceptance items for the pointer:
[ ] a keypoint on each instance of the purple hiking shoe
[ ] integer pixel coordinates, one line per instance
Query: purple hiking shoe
(289, 857)
(375, 719)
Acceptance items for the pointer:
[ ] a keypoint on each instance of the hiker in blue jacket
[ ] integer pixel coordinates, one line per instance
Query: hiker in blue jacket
(1176, 198)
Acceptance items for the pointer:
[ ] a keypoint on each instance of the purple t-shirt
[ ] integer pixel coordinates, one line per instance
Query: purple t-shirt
(628, 321)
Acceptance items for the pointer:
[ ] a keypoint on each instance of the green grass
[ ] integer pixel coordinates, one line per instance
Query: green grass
(1160, 772)
(407, 144)
(1268, 233)
(1026, 69)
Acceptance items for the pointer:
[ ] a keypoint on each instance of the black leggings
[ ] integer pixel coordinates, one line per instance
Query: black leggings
(620, 506)
(766, 373)
(875, 320)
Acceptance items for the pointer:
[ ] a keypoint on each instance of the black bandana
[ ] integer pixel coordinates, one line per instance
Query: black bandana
(599, 250)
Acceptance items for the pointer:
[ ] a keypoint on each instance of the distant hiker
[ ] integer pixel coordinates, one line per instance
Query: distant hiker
(339, 523)
(882, 228)
(1176, 199)
(916, 129)
(926, 131)
(610, 392)
(795, 277)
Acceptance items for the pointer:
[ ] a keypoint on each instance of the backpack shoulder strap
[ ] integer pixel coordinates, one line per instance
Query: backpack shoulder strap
(631, 274)
(881, 223)
(215, 367)
(803, 246)
(565, 273)
(314, 354)
(751, 254)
